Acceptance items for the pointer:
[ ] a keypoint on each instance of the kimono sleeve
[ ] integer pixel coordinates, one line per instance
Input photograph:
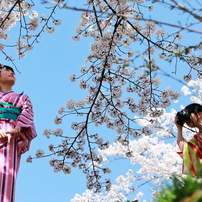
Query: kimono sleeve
(26, 118)
(179, 151)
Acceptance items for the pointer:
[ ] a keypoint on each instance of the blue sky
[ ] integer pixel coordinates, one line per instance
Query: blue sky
(44, 77)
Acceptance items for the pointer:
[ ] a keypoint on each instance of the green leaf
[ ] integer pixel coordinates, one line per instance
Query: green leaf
(125, 45)
(188, 188)
(176, 52)
(187, 51)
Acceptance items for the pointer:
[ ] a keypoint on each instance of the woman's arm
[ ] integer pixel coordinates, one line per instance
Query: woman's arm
(25, 121)
(16, 131)
(180, 139)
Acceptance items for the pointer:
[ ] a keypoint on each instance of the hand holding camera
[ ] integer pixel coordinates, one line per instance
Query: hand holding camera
(182, 117)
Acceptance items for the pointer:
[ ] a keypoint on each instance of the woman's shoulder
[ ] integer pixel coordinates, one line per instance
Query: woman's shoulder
(19, 96)
(24, 96)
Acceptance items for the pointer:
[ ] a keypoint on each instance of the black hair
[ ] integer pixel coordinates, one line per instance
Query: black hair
(7, 67)
(194, 108)
(185, 114)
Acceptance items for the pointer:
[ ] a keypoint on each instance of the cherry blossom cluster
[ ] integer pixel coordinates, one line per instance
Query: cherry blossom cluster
(155, 154)
(72, 153)
(194, 90)
(118, 191)
(20, 13)
(122, 61)
(121, 24)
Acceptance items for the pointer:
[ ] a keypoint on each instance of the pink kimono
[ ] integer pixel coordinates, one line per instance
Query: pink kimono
(11, 149)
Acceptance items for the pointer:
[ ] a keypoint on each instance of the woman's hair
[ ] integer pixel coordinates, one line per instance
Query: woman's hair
(194, 108)
(6, 67)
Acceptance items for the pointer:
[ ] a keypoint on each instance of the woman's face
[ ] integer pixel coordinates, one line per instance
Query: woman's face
(195, 120)
(7, 76)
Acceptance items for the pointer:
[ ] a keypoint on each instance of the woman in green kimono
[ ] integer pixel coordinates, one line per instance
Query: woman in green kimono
(191, 151)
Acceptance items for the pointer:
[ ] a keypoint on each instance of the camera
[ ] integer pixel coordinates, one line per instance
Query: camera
(183, 116)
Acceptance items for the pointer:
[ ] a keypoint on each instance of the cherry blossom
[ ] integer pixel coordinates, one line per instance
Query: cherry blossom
(129, 50)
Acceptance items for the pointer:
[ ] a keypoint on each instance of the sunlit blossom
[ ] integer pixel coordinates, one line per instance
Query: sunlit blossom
(40, 153)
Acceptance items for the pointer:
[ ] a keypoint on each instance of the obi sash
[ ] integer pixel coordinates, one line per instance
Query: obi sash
(9, 111)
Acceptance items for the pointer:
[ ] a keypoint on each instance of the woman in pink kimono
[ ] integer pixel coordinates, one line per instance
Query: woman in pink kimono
(190, 151)
(16, 132)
